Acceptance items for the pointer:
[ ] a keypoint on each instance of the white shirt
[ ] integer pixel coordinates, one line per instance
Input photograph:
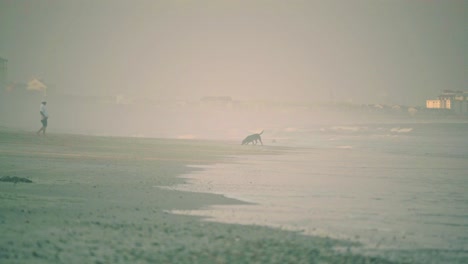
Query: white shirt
(43, 110)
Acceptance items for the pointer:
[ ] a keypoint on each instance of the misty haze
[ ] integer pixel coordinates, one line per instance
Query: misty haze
(361, 106)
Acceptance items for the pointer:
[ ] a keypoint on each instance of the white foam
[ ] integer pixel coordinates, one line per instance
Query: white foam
(401, 130)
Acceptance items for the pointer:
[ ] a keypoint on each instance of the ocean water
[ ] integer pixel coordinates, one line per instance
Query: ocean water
(399, 189)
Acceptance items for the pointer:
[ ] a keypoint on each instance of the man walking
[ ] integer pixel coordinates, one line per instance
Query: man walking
(44, 117)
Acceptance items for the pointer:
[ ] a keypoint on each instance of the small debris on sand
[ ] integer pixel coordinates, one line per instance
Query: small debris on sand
(14, 179)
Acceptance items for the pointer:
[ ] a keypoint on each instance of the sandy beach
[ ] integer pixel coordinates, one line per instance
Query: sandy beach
(97, 200)
(122, 124)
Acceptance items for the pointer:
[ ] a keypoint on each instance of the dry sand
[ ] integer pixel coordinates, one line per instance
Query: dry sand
(94, 200)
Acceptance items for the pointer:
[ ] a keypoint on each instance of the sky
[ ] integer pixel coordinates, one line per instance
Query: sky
(363, 51)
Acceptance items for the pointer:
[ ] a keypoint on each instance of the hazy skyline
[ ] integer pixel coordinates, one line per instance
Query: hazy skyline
(365, 51)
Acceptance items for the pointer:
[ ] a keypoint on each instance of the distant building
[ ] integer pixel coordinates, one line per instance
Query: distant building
(217, 100)
(456, 101)
(3, 73)
(36, 85)
(433, 104)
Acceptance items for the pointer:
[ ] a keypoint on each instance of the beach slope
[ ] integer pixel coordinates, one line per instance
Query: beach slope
(97, 200)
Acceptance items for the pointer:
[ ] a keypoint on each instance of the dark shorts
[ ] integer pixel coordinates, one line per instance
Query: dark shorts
(44, 122)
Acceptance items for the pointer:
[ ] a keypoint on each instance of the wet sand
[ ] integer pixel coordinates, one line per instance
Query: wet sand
(406, 211)
(98, 200)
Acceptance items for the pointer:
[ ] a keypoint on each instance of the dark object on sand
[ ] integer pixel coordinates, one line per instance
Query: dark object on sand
(253, 139)
(14, 179)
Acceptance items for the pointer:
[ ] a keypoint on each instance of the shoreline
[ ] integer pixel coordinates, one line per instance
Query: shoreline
(93, 200)
(332, 176)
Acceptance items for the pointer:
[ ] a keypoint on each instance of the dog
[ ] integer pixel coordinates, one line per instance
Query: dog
(254, 138)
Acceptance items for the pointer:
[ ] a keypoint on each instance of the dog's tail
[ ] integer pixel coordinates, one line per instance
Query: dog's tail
(260, 132)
